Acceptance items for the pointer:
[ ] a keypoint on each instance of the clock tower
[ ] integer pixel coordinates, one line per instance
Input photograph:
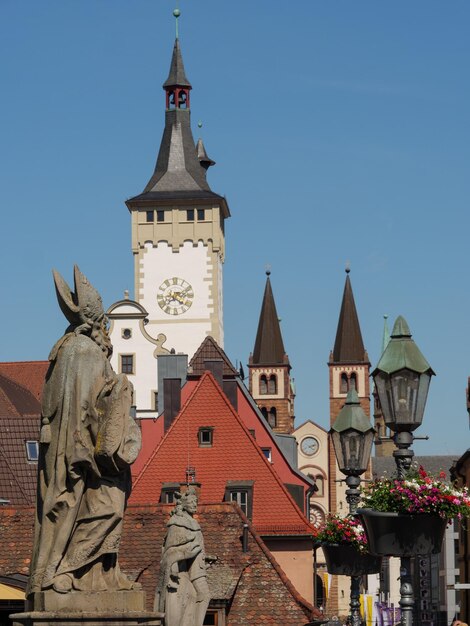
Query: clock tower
(178, 231)
(178, 246)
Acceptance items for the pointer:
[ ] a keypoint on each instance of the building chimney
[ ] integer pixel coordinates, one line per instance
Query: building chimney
(195, 485)
(245, 538)
(216, 367)
(230, 388)
(172, 400)
(170, 366)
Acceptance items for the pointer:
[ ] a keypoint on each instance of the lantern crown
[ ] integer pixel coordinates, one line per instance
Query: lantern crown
(352, 415)
(352, 435)
(402, 352)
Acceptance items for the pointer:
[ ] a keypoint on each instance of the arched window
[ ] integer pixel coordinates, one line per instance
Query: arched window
(272, 417)
(263, 385)
(353, 381)
(320, 483)
(272, 384)
(264, 411)
(343, 386)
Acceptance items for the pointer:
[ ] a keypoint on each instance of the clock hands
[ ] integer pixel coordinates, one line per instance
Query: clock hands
(185, 291)
(179, 296)
(175, 296)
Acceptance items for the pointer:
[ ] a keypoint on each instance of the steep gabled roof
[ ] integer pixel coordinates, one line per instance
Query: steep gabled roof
(269, 347)
(234, 456)
(349, 347)
(208, 351)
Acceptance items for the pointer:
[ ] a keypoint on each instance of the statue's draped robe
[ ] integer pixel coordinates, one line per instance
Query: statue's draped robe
(182, 592)
(88, 442)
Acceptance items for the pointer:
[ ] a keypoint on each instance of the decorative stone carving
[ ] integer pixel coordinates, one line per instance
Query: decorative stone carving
(88, 442)
(182, 591)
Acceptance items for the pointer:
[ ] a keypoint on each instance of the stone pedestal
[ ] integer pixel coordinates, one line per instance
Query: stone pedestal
(83, 608)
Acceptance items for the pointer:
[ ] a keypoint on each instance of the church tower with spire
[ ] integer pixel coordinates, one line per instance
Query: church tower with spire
(349, 363)
(178, 245)
(178, 230)
(348, 368)
(269, 369)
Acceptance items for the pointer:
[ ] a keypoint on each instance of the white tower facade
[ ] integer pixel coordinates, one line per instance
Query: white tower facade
(178, 246)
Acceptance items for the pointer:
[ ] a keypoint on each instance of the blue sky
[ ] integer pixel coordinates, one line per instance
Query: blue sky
(340, 131)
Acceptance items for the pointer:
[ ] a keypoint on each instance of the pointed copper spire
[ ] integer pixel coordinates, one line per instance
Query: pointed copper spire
(349, 347)
(269, 347)
(177, 75)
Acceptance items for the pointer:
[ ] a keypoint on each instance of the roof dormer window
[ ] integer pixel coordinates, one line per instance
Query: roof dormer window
(32, 451)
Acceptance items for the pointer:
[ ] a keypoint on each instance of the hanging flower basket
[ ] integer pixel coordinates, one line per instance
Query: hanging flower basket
(346, 560)
(403, 534)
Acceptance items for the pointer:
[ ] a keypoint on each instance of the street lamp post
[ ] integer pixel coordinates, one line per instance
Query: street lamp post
(402, 379)
(352, 436)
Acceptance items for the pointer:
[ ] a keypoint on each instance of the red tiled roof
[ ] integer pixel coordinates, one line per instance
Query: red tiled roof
(252, 583)
(234, 456)
(18, 475)
(29, 374)
(16, 399)
(16, 531)
(207, 351)
(20, 417)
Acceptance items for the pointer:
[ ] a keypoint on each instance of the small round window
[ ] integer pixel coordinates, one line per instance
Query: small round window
(126, 333)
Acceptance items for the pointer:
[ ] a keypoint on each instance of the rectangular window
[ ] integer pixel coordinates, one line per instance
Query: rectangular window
(149, 215)
(32, 450)
(252, 432)
(167, 494)
(127, 363)
(241, 492)
(190, 215)
(169, 497)
(267, 453)
(155, 400)
(211, 618)
(160, 216)
(241, 498)
(201, 215)
(205, 436)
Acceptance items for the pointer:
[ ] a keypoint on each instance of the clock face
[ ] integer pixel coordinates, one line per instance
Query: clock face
(309, 446)
(175, 296)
